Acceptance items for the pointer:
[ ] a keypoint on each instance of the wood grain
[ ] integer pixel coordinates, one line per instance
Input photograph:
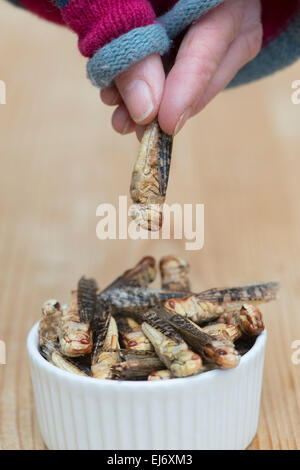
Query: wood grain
(60, 159)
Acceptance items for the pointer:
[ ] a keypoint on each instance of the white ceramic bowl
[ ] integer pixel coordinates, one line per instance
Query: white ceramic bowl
(215, 410)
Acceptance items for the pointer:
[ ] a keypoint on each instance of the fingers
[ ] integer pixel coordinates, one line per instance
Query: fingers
(212, 52)
(137, 92)
(110, 96)
(141, 88)
(121, 120)
(201, 52)
(139, 130)
(234, 60)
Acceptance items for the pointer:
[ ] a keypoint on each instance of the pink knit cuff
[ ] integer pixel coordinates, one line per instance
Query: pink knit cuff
(98, 22)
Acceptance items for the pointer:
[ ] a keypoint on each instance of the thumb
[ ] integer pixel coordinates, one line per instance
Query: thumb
(141, 87)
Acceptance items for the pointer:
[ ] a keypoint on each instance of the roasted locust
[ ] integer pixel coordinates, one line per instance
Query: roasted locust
(150, 177)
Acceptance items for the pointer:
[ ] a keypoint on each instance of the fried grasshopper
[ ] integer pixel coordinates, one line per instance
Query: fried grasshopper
(248, 320)
(254, 293)
(174, 274)
(223, 331)
(87, 297)
(128, 292)
(131, 335)
(51, 353)
(48, 327)
(134, 355)
(75, 333)
(150, 177)
(211, 304)
(170, 347)
(136, 299)
(141, 275)
(106, 350)
(75, 336)
(221, 353)
(137, 367)
(163, 374)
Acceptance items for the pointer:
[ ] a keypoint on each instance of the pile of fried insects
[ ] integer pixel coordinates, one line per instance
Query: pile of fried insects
(129, 331)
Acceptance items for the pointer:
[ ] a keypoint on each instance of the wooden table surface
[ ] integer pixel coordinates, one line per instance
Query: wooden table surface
(60, 159)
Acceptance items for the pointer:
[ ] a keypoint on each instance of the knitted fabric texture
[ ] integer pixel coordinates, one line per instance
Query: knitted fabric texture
(279, 53)
(123, 52)
(128, 49)
(118, 33)
(184, 13)
(99, 22)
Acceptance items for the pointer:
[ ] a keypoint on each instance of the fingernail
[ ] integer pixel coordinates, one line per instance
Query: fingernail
(182, 120)
(138, 98)
(115, 99)
(126, 127)
(111, 96)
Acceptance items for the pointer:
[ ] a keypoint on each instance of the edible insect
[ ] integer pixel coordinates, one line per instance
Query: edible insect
(51, 353)
(150, 177)
(170, 347)
(48, 327)
(106, 352)
(248, 319)
(163, 374)
(134, 355)
(132, 336)
(75, 337)
(174, 274)
(222, 353)
(137, 369)
(211, 304)
(141, 275)
(135, 299)
(223, 331)
(86, 292)
(254, 293)
(158, 329)
(196, 309)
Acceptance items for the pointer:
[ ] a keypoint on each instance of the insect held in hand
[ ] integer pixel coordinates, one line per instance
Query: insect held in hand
(150, 177)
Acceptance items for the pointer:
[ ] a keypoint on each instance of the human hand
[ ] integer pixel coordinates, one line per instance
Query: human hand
(211, 53)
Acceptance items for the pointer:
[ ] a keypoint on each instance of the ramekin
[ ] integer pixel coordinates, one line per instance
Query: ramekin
(216, 410)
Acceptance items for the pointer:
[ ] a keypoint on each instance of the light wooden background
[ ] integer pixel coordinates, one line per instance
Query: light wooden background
(60, 159)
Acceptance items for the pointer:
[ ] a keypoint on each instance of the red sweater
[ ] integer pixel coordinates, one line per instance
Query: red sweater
(116, 33)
